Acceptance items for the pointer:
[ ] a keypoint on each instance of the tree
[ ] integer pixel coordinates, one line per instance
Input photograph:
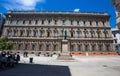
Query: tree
(6, 44)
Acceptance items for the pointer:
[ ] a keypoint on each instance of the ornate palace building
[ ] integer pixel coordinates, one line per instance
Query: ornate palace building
(58, 32)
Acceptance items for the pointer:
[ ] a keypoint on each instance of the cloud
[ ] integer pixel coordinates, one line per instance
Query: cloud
(76, 10)
(20, 4)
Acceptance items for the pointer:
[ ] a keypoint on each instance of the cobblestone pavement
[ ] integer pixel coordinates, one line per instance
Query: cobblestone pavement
(81, 66)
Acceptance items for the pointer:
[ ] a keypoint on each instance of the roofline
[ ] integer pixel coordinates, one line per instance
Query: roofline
(58, 12)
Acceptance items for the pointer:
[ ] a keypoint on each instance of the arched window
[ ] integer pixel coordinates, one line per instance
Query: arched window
(29, 21)
(42, 21)
(93, 47)
(54, 47)
(71, 22)
(26, 46)
(92, 33)
(98, 33)
(8, 33)
(103, 23)
(17, 21)
(100, 47)
(72, 47)
(23, 21)
(19, 46)
(79, 47)
(55, 33)
(49, 21)
(90, 22)
(15, 33)
(55, 21)
(96, 23)
(86, 48)
(72, 34)
(106, 33)
(41, 33)
(48, 34)
(77, 22)
(35, 33)
(79, 33)
(63, 22)
(33, 47)
(86, 34)
(36, 22)
(28, 33)
(11, 21)
(21, 33)
(47, 47)
(107, 47)
(84, 23)
(40, 47)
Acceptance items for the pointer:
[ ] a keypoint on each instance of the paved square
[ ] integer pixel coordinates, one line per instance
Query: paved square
(81, 66)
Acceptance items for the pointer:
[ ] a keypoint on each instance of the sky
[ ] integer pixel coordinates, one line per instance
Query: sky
(61, 5)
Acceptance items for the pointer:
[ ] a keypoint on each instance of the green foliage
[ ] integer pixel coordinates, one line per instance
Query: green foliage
(6, 44)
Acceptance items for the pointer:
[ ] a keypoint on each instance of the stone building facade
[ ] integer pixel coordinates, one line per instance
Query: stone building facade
(58, 32)
(117, 8)
(116, 37)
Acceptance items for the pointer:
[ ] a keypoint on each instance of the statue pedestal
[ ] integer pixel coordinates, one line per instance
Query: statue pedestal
(65, 47)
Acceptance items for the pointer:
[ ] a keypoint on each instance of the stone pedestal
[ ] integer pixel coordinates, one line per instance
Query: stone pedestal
(65, 47)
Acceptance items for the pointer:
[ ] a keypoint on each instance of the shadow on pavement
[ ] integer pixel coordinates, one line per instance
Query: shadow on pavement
(36, 70)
